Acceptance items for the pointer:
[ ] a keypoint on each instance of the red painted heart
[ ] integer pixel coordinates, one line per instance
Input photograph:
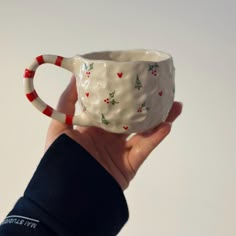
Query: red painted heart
(125, 127)
(87, 94)
(120, 74)
(160, 93)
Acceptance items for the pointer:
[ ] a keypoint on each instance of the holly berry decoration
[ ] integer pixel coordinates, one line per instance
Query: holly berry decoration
(88, 69)
(111, 99)
(143, 107)
(153, 68)
(107, 100)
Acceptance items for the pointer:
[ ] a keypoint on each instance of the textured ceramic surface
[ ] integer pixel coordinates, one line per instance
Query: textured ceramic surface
(119, 91)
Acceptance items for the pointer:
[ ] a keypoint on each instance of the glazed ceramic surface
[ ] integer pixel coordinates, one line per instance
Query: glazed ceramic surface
(119, 91)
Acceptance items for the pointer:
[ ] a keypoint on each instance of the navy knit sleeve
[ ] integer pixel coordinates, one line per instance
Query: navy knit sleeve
(69, 194)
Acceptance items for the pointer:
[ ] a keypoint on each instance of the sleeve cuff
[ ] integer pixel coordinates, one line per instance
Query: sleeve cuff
(71, 186)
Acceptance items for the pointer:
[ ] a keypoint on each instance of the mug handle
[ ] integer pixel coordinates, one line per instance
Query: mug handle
(31, 94)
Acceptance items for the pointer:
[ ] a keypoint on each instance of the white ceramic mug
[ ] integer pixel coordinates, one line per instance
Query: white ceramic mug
(127, 91)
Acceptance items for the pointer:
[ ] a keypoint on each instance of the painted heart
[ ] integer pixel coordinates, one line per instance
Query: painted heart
(120, 74)
(160, 93)
(87, 94)
(125, 127)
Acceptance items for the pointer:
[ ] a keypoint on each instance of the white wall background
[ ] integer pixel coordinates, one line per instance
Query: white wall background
(188, 185)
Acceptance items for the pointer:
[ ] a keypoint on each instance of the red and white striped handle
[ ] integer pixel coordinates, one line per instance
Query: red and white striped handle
(31, 94)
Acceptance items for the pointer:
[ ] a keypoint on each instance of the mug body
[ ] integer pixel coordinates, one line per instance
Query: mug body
(126, 91)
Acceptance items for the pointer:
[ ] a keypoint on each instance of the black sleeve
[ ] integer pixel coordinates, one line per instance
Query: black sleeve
(70, 193)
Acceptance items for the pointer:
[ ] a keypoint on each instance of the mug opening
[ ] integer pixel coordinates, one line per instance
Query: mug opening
(128, 56)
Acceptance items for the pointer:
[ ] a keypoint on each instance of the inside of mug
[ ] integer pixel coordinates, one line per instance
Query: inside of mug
(129, 55)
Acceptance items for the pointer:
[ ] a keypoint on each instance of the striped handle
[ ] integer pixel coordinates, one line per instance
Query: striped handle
(31, 94)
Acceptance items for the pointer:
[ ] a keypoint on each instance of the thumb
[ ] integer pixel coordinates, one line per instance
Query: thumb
(66, 104)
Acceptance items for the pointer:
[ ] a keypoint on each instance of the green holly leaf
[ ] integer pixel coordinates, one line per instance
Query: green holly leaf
(112, 94)
(113, 102)
(104, 120)
(150, 68)
(91, 66)
(156, 65)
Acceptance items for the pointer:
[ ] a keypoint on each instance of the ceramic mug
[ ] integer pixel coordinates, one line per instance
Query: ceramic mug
(127, 91)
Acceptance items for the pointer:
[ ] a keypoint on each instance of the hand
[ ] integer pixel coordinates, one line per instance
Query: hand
(120, 156)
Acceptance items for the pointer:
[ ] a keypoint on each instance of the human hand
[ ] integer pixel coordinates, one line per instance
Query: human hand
(119, 155)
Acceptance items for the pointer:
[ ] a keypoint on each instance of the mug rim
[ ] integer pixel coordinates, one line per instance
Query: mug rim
(94, 56)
